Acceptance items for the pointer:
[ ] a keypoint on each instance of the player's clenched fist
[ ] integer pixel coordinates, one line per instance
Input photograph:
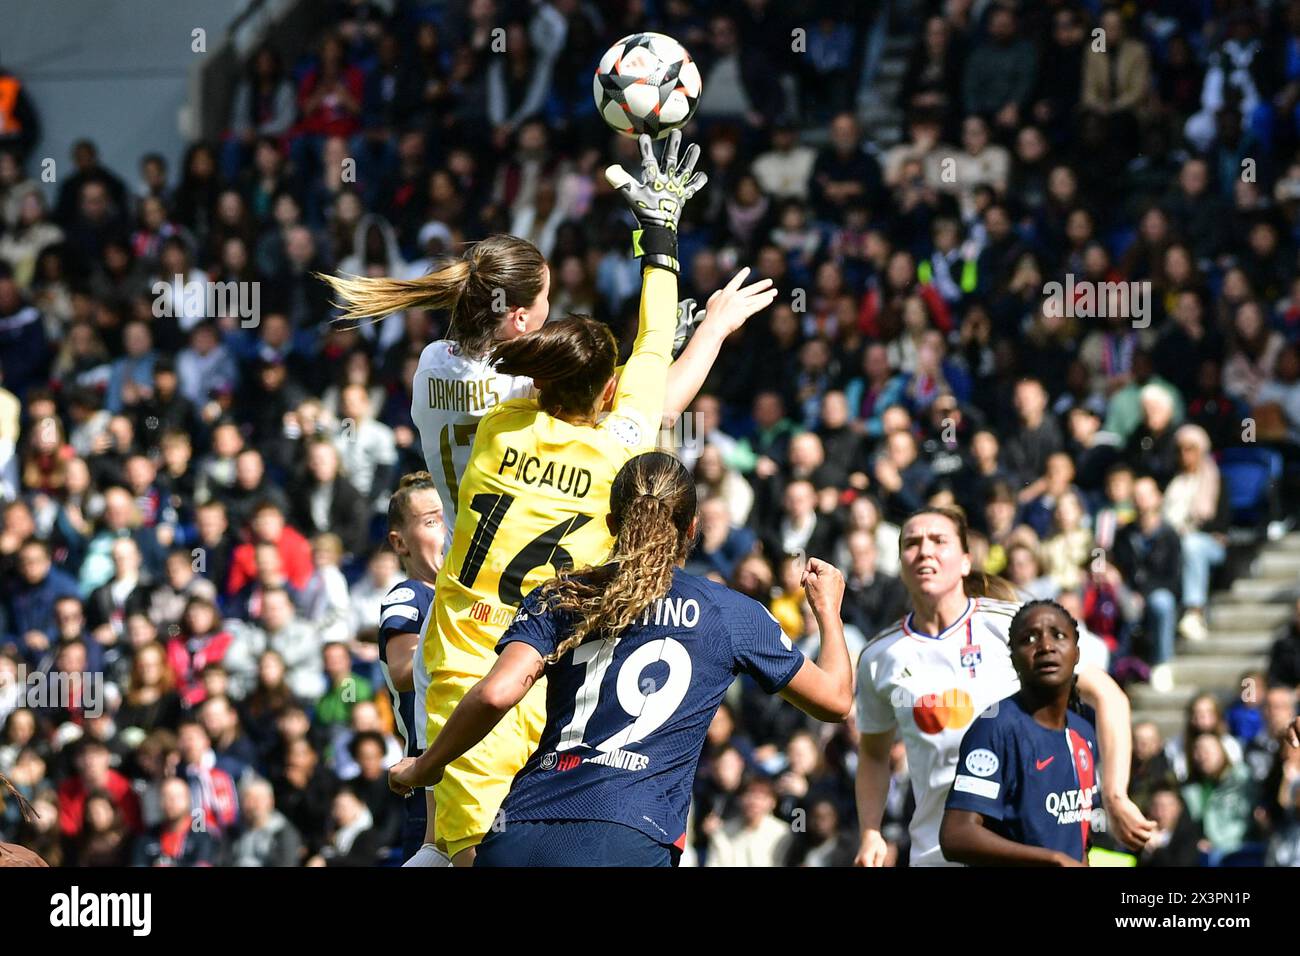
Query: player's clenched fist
(824, 585)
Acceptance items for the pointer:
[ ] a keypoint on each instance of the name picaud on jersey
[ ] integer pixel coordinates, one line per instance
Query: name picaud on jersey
(543, 473)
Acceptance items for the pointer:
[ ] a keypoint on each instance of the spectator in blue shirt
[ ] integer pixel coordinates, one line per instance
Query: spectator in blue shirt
(31, 604)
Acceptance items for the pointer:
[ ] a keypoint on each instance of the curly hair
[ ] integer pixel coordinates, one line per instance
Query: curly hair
(652, 502)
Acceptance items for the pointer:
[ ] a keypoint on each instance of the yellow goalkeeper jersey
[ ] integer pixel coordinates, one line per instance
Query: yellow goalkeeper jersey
(535, 495)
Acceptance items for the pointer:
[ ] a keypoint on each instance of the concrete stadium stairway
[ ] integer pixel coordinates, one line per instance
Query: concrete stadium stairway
(1243, 622)
(877, 98)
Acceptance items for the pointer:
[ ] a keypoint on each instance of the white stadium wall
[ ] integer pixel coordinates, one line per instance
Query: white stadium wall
(97, 69)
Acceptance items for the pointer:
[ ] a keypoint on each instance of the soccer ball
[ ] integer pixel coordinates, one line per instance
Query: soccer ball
(647, 83)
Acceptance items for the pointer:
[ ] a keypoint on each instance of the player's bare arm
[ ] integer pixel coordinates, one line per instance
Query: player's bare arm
(824, 689)
(870, 789)
(1115, 738)
(515, 672)
(400, 652)
(965, 839)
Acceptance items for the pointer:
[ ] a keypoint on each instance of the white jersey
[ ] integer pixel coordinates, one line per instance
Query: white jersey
(450, 394)
(931, 688)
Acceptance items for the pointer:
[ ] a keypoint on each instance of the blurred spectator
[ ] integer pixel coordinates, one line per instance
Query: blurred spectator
(1148, 554)
(104, 840)
(1151, 765)
(872, 599)
(721, 544)
(265, 837)
(94, 775)
(915, 358)
(326, 501)
(1195, 507)
(1265, 748)
(1175, 840)
(215, 800)
(267, 526)
(32, 625)
(264, 106)
(150, 700)
(175, 841)
(1284, 655)
(756, 837)
(1220, 796)
(1284, 847)
(1001, 71)
(1204, 716)
(293, 639)
(824, 843)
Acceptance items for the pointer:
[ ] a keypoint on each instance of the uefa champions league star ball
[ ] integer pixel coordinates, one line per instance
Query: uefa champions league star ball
(647, 83)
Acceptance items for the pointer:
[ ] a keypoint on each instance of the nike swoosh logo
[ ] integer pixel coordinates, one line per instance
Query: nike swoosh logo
(1040, 764)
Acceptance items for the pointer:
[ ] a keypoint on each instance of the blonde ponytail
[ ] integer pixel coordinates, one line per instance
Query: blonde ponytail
(373, 297)
(494, 276)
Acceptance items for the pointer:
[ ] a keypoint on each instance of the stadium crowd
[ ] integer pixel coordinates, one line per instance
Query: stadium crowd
(193, 499)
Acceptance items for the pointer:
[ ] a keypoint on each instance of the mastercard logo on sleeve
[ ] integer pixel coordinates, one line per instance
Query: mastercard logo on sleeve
(951, 709)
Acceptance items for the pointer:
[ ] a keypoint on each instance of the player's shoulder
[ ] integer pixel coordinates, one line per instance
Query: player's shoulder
(440, 354)
(626, 427)
(405, 606)
(1003, 713)
(715, 595)
(1081, 725)
(512, 409)
(409, 591)
(994, 608)
(722, 604)
(883, 641)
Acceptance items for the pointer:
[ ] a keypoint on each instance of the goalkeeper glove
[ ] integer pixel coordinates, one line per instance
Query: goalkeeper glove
(657, 199)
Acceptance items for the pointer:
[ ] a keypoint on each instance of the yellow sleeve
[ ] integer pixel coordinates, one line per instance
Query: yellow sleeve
(642, 386)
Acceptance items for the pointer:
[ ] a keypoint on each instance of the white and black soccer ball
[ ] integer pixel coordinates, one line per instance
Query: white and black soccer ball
(647, 83)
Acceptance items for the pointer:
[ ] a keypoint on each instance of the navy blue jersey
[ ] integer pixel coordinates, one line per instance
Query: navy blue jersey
(626, 717)
(1032, 785)
(404, 610)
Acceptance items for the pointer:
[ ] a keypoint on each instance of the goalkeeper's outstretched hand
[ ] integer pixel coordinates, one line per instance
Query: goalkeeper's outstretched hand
(658, 197)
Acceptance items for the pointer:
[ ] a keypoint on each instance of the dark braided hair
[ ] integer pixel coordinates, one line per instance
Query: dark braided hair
(1075, 703)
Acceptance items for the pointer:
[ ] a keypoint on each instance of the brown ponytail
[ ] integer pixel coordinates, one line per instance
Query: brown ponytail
(652, 501)
(494, 276)
(983, 584)
(570, 361)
